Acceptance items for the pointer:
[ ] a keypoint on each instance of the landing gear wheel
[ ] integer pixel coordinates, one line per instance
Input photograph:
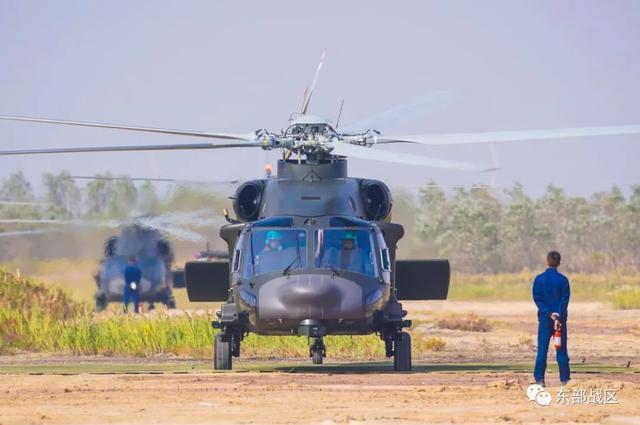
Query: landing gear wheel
(222, 352)
(317, 356)
(170, 301)
(101, 303)
(317, 351)
(402, 352)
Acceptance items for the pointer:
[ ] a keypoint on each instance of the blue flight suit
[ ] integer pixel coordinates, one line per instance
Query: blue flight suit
(132, 273)
(551, 294)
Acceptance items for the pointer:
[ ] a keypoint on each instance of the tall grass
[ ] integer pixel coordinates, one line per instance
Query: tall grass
(517, 286)
(35, 317)
(627, 298)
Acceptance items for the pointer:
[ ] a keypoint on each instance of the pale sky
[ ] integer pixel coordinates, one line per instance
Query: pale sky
(232, 66)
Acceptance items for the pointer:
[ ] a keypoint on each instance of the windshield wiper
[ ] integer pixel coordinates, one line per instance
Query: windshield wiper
(295, 260)
(333, 270)
(289, 267)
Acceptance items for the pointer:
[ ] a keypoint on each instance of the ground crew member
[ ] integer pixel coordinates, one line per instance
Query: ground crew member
(132, 279)
(551, 294)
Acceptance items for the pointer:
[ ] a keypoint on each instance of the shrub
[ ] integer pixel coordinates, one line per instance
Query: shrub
(627, 298)
(470, 322)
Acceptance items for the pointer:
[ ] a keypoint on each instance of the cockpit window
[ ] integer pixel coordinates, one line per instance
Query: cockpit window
(345, 250)
(274, 250)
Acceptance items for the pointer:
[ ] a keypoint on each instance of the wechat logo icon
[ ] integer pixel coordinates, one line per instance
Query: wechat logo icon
(537, 393)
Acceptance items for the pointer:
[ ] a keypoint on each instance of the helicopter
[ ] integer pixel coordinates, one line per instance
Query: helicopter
(311, 250)
(145, 237)
(155, 257)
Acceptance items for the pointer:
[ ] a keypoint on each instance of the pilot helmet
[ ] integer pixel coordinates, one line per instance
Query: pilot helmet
(349, 235)
(273, 235)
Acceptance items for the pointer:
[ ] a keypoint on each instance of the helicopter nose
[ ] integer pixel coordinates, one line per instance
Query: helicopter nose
(312, 296)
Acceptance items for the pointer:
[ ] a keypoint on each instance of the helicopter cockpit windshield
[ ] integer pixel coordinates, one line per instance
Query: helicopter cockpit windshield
(275, 250)
(345, 249)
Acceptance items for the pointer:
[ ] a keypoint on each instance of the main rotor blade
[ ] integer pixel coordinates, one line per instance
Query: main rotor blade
(27, 203)
(191, 146)
(30, 232)
(153, 179)
(355, 151)
(510, 136)
(401, 112)
(77, 223)
(226, 136)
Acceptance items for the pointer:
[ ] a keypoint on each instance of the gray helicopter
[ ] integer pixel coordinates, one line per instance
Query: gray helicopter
(145, 237)
(155, 257)
(312, 251)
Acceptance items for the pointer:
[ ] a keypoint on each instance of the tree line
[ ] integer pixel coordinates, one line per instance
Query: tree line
(484, 233)
(479, 230)
(105, 197)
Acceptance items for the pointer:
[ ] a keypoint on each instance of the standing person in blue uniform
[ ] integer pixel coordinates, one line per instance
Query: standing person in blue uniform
(551, 294)
(132, 279)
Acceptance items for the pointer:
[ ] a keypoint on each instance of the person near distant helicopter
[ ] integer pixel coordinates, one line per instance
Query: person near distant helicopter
(132, 279)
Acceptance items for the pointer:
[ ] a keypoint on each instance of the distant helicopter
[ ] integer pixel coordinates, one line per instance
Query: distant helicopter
(312, 251)
(154, 255)
(144, 237)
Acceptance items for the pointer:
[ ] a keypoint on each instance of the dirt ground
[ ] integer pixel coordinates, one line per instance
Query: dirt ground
(320, 398)
(480, 377)
(596, 332)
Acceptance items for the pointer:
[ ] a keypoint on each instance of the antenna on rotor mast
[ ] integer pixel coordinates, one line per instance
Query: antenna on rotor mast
(309, 90)
(339, 114)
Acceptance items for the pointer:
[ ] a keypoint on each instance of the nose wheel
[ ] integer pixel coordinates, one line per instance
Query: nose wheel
(222, 352)
(402, 352)
(226, 345)
(398, 345)
(317, 351)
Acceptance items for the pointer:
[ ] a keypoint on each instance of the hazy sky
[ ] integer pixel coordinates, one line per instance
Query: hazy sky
(238, 66)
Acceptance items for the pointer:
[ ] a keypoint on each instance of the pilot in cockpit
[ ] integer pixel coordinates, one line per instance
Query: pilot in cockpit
(349, 256)
(273, 241)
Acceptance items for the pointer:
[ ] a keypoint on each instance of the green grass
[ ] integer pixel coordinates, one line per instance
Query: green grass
(39, 318)
(517, 286)
(627, 298)
(76, 277)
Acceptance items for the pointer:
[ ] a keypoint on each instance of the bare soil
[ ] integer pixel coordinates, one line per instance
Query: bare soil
(320, 398)
(444, 387)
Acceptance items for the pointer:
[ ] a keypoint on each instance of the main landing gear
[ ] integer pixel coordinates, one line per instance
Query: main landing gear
(226, 345)
(397, 343)
(398, 346)
(317, 351)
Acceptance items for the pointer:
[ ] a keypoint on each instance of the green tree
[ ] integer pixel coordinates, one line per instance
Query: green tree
(99, 195)
(124, 202)
(16, 188)
(148, 199)
(524, 237)
(63, 194)
(432, 221)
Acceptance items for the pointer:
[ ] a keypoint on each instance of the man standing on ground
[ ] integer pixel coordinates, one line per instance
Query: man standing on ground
(551, 295)
(132, 279)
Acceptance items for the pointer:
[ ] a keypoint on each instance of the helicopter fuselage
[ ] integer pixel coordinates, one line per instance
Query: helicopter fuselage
(332, 270)
(312, 253)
